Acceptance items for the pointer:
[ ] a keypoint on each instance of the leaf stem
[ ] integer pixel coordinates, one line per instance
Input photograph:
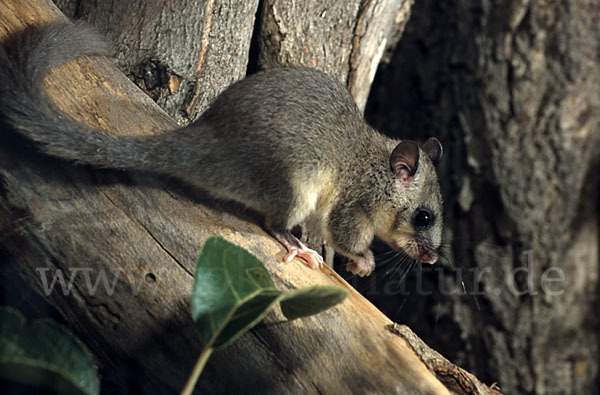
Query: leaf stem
(193, 379)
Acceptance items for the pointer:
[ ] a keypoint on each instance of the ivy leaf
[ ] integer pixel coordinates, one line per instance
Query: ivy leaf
(44, 355)
(311, 300)
(233, 291)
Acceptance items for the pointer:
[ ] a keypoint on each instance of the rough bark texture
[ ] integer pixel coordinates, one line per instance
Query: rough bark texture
(346, 39)
(182, 53)
(456, 379)
(146, 232)
(512, 90)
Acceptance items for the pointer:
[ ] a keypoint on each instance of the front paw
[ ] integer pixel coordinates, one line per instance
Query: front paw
(362, 265)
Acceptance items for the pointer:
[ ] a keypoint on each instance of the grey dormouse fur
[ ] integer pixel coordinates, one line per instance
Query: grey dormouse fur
(289, 143)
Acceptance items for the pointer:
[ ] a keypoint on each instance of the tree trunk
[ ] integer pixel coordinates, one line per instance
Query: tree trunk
(512, 89)
(345, 39)
(143, 233)
(182, 53)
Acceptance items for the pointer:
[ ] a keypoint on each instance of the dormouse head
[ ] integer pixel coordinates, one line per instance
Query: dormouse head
(416, 202)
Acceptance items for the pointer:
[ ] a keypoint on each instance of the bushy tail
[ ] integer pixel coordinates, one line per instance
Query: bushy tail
(25, 106)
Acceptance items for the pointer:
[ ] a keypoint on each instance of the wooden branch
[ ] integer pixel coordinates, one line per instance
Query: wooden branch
(456, 379)
(57, 217)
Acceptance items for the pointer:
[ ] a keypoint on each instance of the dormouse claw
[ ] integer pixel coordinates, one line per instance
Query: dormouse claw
(295, 249)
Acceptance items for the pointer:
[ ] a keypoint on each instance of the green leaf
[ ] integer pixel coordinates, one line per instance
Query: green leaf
(233, 291)
(44, 355)
(311, 300)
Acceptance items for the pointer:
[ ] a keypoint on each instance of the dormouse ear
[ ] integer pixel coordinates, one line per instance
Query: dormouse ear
(405, 160)
(433, 149)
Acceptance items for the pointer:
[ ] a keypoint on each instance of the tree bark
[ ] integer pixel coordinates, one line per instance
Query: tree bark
(345, 39)
(512, 89)
(143, 233)
(182, 53)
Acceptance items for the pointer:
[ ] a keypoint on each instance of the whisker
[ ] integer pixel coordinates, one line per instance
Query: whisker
(396, 255)
(474, 296)
(392, 268)
(405, 270)
(395, 318)
(386, 253)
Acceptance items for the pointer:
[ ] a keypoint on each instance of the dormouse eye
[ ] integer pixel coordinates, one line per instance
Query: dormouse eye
(422, 219)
